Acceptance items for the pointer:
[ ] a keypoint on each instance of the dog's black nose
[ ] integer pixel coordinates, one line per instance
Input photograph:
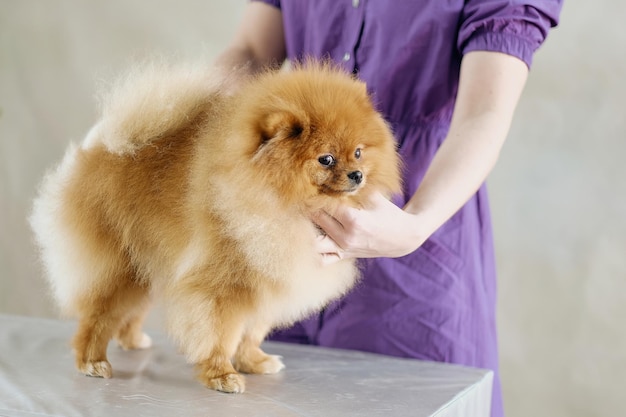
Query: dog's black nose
(356, 177)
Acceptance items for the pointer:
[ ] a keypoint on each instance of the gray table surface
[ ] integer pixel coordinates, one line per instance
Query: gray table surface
(37, 378)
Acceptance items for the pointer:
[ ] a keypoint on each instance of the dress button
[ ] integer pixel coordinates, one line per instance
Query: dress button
(346, 56)
(355, 3)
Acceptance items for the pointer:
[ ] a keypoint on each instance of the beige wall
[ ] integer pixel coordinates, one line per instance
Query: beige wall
(558, 192)
(559, 203)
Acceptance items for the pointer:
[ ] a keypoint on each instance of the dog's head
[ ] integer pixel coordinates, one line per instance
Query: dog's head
(318, 136)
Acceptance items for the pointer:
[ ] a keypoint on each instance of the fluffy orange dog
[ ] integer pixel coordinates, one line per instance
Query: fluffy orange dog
(204, 199)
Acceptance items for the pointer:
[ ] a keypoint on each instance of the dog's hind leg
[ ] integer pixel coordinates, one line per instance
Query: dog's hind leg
(100, 316)
(130, 335)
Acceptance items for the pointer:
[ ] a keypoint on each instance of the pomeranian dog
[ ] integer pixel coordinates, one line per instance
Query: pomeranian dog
(202, 196)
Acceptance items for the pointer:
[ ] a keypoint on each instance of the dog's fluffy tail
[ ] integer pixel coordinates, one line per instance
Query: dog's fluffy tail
(151, 101)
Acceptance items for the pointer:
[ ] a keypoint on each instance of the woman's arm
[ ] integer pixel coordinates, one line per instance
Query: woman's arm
(258, 43)
(489, 88)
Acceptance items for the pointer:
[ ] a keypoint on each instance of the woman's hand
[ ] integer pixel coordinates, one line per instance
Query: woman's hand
(383, 230)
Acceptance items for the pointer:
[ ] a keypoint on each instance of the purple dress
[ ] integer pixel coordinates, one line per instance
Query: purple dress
(439, 302)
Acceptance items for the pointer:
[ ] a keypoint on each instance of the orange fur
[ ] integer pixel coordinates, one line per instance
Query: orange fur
(203, 198)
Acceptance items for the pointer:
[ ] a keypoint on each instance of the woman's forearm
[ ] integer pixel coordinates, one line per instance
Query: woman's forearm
(489, 89)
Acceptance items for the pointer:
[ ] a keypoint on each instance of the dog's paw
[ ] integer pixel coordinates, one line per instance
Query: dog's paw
(100, 369)
(145, 342)
(272, 364)
(140, 341)
(268, 364)
(230, 383)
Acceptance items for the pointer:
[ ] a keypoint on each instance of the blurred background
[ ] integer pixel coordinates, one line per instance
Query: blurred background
(558, 192)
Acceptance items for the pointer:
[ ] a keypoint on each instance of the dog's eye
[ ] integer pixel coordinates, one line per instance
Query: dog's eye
(326, 160)
(357, 153)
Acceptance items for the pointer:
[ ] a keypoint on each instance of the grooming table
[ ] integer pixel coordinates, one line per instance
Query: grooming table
(38, 378)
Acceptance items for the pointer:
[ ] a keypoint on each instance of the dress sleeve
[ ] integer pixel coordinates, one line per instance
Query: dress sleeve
(275, 3)
(515, 28)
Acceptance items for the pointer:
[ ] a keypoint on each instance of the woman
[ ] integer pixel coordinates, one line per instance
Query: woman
(447, 76)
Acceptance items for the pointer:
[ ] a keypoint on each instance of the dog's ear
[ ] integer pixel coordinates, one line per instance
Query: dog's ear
(280, 124)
